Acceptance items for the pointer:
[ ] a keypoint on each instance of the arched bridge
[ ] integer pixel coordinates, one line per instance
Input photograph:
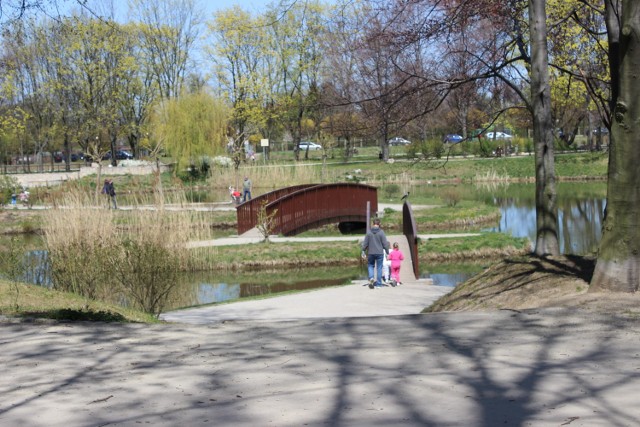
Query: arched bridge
(303, 207)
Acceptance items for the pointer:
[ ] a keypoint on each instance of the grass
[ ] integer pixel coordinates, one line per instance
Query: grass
(275, 255)
(466, 214)
(31, 301)
(483, 246)
(316, 254)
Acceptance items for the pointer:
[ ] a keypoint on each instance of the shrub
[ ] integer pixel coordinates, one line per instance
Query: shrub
(436, 148)
(451, 197)
(222, 161)
(146, 271)
(391, 190)
(116, 256)
(8, 186)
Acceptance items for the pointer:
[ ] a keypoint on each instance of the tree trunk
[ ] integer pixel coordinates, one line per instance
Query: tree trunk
(618, 265)
(546, 203)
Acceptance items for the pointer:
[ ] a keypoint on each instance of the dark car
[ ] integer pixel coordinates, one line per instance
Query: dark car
(123, 155)
(120, 155)
(452, 138)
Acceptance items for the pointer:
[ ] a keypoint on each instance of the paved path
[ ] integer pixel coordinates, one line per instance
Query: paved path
(354, 300)
(535, 368)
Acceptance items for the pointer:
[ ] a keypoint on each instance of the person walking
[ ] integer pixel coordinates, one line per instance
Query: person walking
(110, 191)
(396, 257)
(246, 189)
(374, 246)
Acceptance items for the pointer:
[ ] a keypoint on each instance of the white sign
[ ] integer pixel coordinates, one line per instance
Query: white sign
(264, 143)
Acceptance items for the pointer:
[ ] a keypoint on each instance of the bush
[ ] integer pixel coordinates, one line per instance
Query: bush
(8, 186)
(435, 149)
(391, 190)
(451, 197)
(146, 271)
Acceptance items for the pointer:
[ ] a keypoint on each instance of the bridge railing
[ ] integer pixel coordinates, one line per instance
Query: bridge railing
(247, 212)
(322, 204)
(410, 230)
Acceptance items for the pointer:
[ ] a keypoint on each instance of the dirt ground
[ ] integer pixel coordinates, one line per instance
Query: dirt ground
(533, 282)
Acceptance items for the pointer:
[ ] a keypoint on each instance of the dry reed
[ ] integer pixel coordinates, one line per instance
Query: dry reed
(492, 176)
(271, 177)
(132, 254)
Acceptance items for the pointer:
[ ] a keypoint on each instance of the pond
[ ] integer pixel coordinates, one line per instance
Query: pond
(580, 214)
(580, 210)
(216, 287)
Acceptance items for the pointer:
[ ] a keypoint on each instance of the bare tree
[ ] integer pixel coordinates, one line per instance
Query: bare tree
(170, 30)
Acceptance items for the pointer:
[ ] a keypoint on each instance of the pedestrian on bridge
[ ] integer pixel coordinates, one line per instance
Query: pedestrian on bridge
(375, 246)
(246, 189)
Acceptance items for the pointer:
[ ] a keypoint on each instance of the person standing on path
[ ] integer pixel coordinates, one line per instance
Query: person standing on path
(396, 256)
(246, 189)
(375, 245)
(110, 191)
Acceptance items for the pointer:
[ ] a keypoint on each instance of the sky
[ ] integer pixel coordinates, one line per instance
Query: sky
(250, 5)
(208, 6)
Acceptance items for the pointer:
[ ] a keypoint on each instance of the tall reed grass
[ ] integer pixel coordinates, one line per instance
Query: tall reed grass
(272, 177)
(492, 176)
(131, 255)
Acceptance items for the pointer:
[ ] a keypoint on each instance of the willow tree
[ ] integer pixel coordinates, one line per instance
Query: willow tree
(190, 127)
(618, 265)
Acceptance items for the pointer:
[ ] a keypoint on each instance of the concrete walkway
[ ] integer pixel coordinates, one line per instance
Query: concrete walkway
(539, 368)
(354, 300)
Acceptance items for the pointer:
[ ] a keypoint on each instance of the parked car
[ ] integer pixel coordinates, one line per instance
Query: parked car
(497, 135)
(452, 138)
(120, 155)
(308, 145)
(399, 141)
(123, 155)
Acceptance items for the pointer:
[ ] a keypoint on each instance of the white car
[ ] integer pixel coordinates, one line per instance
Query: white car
(311, 146)
(498, 135)
(399, 141)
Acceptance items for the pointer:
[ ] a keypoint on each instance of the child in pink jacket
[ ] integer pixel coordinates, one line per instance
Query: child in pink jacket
(396, 257)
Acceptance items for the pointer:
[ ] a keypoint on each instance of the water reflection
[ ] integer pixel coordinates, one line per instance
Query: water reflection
(580, 210)
(579, 222)
(449, 279)
(212, 287)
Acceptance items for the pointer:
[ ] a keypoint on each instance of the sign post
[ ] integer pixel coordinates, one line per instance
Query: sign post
(264, 143)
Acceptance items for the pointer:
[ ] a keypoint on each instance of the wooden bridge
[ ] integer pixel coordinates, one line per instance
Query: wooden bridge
(303, 207)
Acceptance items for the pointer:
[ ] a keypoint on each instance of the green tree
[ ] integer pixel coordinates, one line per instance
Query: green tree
(191, 126)
(169, 31)
(239, 59)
